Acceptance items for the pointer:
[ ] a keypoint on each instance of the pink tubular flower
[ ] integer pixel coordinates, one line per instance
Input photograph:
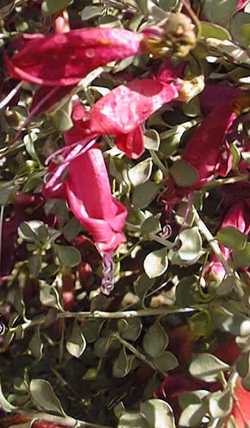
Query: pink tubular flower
(122, 112)
(238, 216)
(89, 197)
(86, 186)
(63, 59)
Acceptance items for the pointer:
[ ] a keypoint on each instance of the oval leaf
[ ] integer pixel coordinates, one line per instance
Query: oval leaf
(156, 263)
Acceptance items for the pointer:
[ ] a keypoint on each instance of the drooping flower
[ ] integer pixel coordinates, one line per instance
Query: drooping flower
(122, 112)
(90, 199)
(207, 151)
(63, 59)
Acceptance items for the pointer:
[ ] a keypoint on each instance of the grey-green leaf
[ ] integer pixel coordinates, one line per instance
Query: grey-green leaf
(156, 263)
(76, 343)
(207, 367)
(141, 172)
(44, 398)
(158, 414)
(155, 340)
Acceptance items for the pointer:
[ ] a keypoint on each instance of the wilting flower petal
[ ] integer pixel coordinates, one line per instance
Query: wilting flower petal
(121, 112)
(215, 95)
(207, 152)
(65, 58)
(90, 199)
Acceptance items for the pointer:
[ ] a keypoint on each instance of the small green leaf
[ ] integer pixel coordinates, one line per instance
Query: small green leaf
(192, 415)
(155, 340)
(151, 140)
(183, 174)
(158, 414)
(49, 296)
(191, 245)
(50, 7)
(220, 403)
(130, 329)
(156, 263)
(76, 343)
(5, 405)
(36, 345)
(219, 11)
(132, 420)
(122, 364)
(207, 367)
(166, 361)
(234, 323)
(241, 258)
(240, 28)
(150, 225)
(141, 172)
(68, 256)
(33, 231)
(90, 12)
(209, 29)
(44, 398)
(144, 194)
(232, 238)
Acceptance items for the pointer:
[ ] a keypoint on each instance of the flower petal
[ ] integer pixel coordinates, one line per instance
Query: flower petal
(65, 58)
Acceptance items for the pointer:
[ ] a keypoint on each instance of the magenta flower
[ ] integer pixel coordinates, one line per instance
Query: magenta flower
(89, 197)
(63, 59)
(215, 95)
(122, 112)
(86, 186)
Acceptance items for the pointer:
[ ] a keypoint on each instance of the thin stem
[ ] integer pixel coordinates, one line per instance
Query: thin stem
(158, 162)
(9, 97)
(102, 315)
(67, 420)
(223, 181)
(162, 241)
(138, 354)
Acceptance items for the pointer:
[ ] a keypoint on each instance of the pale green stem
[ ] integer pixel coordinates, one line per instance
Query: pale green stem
(60, 420)
(102, 315)
(158, 162)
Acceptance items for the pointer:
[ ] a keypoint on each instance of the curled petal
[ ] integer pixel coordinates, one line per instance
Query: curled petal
(65, 58)
(126, 107)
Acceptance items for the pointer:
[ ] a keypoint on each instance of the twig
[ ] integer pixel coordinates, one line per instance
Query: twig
(101, 315)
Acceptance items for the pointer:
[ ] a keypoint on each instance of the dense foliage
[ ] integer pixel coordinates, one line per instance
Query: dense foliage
(125, 213)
